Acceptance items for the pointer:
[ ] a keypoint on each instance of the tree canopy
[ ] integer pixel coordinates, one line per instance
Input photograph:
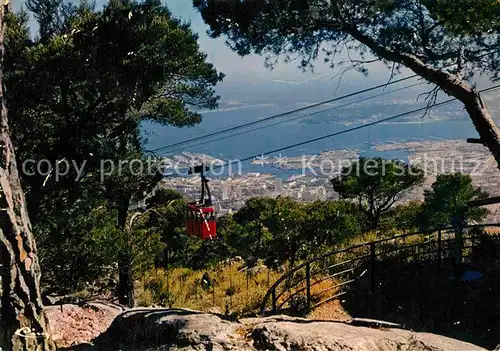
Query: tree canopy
(446, 202)
(84, 87)
(375, 184)
(284, 230)
(110, 71)
(467, 16)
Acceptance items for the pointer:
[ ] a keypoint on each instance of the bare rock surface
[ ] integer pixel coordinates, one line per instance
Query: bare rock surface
(179, 329)
(73, 324)
(333, 336)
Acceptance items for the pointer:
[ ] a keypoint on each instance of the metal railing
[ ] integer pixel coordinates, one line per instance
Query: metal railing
(328, 277)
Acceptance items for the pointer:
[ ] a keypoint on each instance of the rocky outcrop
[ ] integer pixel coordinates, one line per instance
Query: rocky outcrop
(72, 324)
(153, 329)
(332, 336)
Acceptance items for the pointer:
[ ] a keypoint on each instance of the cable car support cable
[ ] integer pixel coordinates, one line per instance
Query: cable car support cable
(298, 117)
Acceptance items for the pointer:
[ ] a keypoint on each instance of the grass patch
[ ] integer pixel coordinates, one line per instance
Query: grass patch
(229, 289)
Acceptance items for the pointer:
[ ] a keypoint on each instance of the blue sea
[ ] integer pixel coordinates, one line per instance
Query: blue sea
(445, 122)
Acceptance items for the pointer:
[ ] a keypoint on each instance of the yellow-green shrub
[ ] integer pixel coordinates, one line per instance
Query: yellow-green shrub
(231, 289)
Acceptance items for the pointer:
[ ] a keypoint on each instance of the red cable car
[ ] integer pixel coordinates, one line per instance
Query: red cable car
(200, 215)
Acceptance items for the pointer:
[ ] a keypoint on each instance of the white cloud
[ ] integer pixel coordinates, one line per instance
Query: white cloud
(227, 109)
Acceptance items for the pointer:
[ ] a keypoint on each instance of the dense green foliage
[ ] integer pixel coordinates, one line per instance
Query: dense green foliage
(79, 248)
(446, 202)
(109, 72)
(283, 230)
(53, 16)
(375, 185)
(467, 16)
(84, 87)
(406, 217)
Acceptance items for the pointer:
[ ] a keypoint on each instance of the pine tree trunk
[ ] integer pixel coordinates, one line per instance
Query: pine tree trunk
(23, 325)
(125, 277)
(373, 222)
(125, 281)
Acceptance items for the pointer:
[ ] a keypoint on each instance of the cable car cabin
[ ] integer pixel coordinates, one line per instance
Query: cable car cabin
(200, 221)
(200, 215)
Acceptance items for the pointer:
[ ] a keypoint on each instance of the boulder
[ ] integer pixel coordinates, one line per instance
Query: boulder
(180, 329)
(72, 324)
(174, 329)
(301, 334)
